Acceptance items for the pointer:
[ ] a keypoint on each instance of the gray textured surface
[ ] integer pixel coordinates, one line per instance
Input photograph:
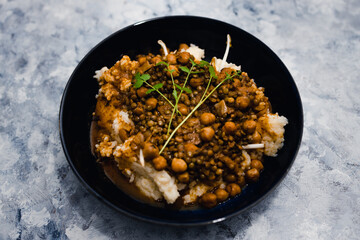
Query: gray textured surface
(42, 41)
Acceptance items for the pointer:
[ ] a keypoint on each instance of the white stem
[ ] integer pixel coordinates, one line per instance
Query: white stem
(162, 44)
(141, 158)
(253, 146)
(228, 43)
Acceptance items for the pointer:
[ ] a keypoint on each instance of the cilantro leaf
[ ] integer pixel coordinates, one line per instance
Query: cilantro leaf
(139, 81)
(203, 63)
(212, 71)
(170, 70)
(197, 72)
(155, 88)
(174, 93)
(150, 90)
(162, 63)
(158, 86)
(188, 90)
(185, 69)
(145, 77)
(185, 89)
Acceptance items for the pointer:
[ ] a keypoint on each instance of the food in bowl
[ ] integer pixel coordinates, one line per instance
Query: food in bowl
(175, 129)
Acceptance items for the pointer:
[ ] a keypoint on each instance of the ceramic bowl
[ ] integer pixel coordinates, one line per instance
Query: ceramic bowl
(255, 58)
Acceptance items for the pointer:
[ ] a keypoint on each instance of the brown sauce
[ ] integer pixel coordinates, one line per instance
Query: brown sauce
(113, 173)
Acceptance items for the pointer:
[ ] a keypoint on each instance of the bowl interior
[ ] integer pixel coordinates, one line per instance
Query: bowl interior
(255, 58)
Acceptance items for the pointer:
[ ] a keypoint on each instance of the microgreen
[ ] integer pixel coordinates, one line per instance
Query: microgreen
(141, 79)
(203, 99)
(187, 90)
(212, 72)
(203, 63)
(184, 69)
(162, 63)
(155, 87)
(183, 88)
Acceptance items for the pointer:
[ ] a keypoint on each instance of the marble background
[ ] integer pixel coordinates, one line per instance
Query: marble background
(41, 42)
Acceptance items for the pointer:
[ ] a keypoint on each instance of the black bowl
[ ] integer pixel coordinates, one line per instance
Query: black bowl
(255, 58)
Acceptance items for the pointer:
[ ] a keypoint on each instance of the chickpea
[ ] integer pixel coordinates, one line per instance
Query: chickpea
(221, 194)
(236, 82)
(141, 92)
(257, 164)
(230, 100)
(207, 118)
(252, 174)
(230, 127)
(183, 57)
(207, 133)
(151, 103)
(184, 177)
(178, 165)
(249, 126)
(192, 122)
(230, 178)
(241, 181)
(256, 137)
(175, 73)
(156, 60)
(123, 134)
(150, 151)
(171, 58)
(191, 149)
(139, 139)
(142, 60)
(195, 82)
(160, 163)
(224, 72)
(219, 171)
(233, 189)
(138, 111)
(183, 46)
(183, 109)
(208, 200)
(242, 102)
(229, 163)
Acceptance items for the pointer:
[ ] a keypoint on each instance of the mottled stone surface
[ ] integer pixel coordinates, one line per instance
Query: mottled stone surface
(42, 41)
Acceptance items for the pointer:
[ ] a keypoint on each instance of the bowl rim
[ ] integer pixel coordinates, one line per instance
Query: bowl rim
(162, 221)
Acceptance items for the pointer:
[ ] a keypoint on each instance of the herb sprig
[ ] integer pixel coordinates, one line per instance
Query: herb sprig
(203, 99)
(141, 79)
(182, 88)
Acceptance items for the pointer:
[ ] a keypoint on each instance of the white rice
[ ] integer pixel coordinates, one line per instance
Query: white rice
(197, 52)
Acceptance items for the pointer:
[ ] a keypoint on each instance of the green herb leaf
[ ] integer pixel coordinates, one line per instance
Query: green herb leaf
(193, 72)
(150, 90)
(139, 81)
(145, 77)
(174, 93)
(170, 70)
(185, 69)
(158, 86)
(192, 61)
(185, 89)
(203, 63)
(212, 72)
(162, 63)
(188, 90)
